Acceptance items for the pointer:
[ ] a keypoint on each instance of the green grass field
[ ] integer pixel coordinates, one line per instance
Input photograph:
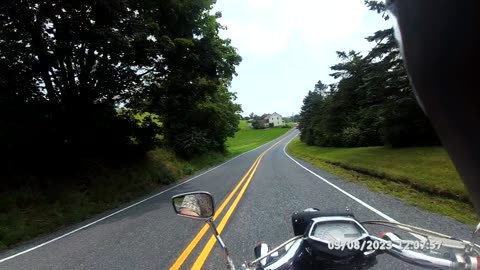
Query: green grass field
(423, 176)
(428, 168)
(247, 138)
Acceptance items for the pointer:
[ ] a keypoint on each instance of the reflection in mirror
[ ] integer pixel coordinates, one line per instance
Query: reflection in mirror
(194, 204)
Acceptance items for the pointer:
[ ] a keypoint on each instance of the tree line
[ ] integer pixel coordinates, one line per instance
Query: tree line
(372, 102)
(74, 75)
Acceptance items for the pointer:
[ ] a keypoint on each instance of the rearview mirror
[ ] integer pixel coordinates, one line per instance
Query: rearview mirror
(198, 205)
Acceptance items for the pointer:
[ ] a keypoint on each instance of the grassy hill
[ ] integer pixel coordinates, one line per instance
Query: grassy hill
(248, 138)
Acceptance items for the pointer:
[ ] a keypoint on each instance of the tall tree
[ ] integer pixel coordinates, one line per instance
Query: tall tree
(74, 61)
(200, 68)
(402, 120)
(311, 105)
(67, 66)
(371, 104)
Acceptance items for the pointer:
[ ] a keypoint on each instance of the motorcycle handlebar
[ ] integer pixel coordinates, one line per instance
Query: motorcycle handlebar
(462, 261)
(425, 260)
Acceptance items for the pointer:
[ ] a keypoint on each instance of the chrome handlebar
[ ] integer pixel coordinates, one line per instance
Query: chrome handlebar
(462, 254)
(414, 257)
(425, 260)
(462, 260)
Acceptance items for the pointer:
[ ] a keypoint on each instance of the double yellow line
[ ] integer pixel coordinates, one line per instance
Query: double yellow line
(211, 242)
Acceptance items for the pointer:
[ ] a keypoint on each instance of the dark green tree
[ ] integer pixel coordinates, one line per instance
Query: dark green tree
(372, 102)
(66, 67)
(402, 122)
(200, 67)
(311, 106)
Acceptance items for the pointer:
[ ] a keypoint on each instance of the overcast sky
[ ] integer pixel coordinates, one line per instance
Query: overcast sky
(287, 46)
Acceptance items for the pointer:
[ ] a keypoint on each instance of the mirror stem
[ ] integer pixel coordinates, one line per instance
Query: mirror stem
(475, 234)
(222, 244)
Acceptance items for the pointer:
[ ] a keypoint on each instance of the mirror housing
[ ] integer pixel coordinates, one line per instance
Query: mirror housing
(200, 205)
(196, 205)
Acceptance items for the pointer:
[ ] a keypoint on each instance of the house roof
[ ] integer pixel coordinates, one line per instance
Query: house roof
(268, 115)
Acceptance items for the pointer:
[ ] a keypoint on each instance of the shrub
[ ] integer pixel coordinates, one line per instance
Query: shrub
(352, 137)
(258, 125)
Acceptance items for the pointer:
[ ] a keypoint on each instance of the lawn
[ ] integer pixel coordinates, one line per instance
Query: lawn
(248, 138)
(423, 176)
(428, 168)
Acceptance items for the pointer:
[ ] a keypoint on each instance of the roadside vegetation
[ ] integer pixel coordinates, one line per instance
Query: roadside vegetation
(368, 127)
(422, 176)
(104, 101)
(428, 169)
(370, 104)
(100, 185)
(87, 188)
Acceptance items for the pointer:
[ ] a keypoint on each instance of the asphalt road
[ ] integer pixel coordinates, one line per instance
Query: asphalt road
(148, 235)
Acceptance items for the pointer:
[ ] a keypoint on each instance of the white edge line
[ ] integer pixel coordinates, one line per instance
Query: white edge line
(371, 208)
(126, 208)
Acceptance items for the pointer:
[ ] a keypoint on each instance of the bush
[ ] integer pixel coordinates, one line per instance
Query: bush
(97, 131)
(191, 143)
(258, 125)
(352, 137)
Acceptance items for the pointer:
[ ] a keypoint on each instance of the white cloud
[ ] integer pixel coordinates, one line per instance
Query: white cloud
(332, 21)
(255, 38)
(264, 27)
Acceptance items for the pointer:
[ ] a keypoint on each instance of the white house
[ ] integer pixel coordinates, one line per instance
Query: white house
(274, 118)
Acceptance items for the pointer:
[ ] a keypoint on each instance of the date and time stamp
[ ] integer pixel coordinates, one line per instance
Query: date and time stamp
(384, 245)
